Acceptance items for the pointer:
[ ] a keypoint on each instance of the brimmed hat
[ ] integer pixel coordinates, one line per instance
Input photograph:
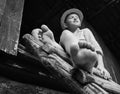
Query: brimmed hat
(66, 13)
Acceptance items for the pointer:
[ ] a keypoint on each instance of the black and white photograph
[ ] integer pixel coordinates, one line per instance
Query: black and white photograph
(59, 46)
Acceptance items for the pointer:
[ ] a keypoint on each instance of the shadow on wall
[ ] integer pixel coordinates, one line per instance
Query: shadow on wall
(109, 60)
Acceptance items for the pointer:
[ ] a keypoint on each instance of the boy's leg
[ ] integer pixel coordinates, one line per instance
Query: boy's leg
(69, 41)
(82, 58)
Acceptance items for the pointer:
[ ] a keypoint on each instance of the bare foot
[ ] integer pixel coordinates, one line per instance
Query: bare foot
(83, 58)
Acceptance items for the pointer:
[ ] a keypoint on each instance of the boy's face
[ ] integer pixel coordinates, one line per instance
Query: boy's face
(73, 20)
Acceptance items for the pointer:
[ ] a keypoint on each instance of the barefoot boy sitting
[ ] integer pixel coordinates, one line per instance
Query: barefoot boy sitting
(81, 44)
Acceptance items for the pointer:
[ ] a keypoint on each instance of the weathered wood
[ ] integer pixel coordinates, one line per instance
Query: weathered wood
(107, 85)
(60, 69)
(18, 71)
(2, 7)
(11, 16)
(66, 68)
(52, 66)
(46, 47)
(110, 86)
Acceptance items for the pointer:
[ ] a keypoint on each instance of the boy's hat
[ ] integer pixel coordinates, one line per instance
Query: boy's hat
(66, 13)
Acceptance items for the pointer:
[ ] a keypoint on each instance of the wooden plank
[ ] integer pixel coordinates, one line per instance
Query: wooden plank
(10, 25)
(21, 75)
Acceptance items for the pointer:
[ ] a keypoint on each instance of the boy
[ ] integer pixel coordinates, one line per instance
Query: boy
(80, 44)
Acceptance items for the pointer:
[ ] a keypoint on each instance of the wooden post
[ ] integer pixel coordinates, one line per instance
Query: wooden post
(10, 22)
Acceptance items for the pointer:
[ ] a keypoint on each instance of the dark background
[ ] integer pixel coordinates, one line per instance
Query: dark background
(102, 16)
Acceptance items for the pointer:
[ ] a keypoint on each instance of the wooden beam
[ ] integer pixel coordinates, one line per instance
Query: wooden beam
(24, 74)
(60, 69)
